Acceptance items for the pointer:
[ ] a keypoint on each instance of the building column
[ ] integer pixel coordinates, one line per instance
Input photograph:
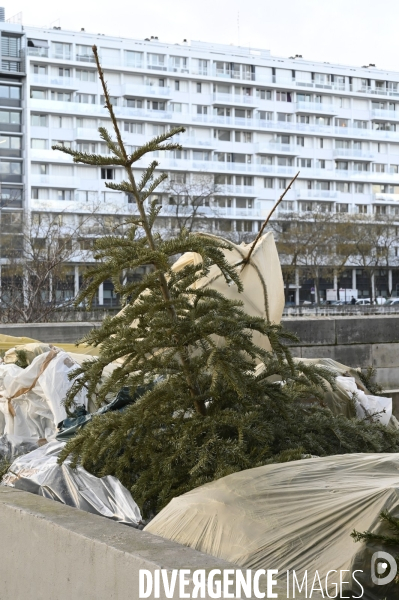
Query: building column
(335, 285)
(101, 294)
(297, 286)
(389, 282)
(372, 286)
(354, 279)
(76, 280)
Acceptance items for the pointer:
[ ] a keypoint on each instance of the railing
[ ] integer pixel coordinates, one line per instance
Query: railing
(276, 148)
(234, 99)
(347, 309)
(380, 113)
(43, 52)
(145, 90)
(64, 82)
(307, 194)
(351, 152)
(317, 107)
(85, 58)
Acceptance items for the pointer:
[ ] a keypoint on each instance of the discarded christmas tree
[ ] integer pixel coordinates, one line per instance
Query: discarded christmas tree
(203, 412)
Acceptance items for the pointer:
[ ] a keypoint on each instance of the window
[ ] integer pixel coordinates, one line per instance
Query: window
(10, 168)
(384, 126)
(133, 127)
(265, 116)
(64, 72)
(357, 145)
(176, 107)
(63, 194)
(322, 185)
(199, 88)
(394, 169)
(304, 97)
(305, 163)
(343, 187)
(37, 144)
(320, 163)
(177, 86)
(263, 94)
(10, 91)
(243, 136)
(200, 66)
(85, 75)
(281, 184)
(84, 53)
(342, 208)
(38, 94)
(179, 63)
(201, 155)
(202, 110)
(62, 143)
(87, 98)
(300, 141)
(244, 203)
(244, 180)
(61, 96)
(379, 168)
(360, 166)
(10, 143)
(158, 129)
(359, 188)
(222, 134)
(282, 161)
(107, 173)
(342, 122)
(380, 210)
(9, 118)
(134, 103)
(283, 96)
(268, 182)
(38, 169)
(341, 165)
(303, 119)
(324, 121)
(360, 124)
(342, 144)
(39, 69)
(156, 61)
(361, 209)
(61, 50)
(133, 59)
(244, 226)
(284, 117)
(156, 105)
(10, 45)
(88, 147)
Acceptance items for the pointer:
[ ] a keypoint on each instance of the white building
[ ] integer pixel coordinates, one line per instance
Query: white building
(252, 121)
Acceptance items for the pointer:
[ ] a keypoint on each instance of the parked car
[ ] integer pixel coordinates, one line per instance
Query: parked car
(364, 301)
(391, 301)
(289, 304)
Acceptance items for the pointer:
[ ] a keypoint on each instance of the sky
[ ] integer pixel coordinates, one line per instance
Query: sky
(351, 32)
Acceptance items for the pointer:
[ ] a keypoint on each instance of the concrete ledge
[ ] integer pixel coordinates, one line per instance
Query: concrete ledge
(67, 333)
(49, 550)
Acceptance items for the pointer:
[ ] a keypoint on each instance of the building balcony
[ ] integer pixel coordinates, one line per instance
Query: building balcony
(39, 52)
(235, 100)
(386, 115)
(352, 153)
(56, 182)
(65, 83)
(50, 155)
(386, 197)
(277, 148)
(248, 191)
(315, 107)
(316, 194)
(88, 134)
(150, 91)
(193, 142)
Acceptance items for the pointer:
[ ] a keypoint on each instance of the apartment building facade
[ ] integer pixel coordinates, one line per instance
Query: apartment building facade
(252, 121)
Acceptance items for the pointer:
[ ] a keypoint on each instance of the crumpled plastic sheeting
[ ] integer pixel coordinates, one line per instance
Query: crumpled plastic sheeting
(39, 473)
(36, 411)
(296, 515)
(12, 446)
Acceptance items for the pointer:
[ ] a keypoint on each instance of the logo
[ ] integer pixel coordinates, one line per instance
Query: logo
(383, 568)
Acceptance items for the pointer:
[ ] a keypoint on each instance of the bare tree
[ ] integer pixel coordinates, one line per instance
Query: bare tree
(38, 277)
(191, 202)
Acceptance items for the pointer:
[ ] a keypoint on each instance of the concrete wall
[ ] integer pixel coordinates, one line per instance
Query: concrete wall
(52, 551)
(360, 341)
(49, 332)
